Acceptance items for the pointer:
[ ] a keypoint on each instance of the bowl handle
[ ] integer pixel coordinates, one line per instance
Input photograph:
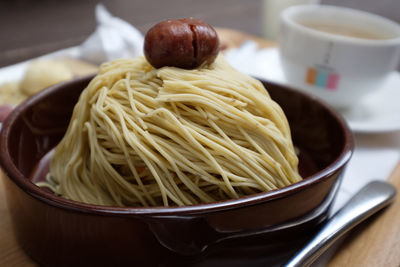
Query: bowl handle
(184, 235)
(191, 235)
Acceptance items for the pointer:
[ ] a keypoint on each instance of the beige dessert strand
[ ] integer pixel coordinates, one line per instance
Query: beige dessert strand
(141, 136)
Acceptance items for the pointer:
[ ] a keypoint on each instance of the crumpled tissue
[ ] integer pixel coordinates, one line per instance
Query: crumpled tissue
(114, 38)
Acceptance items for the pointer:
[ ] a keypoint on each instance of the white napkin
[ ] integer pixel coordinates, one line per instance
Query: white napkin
(262, 63)
(375, 155)
(114, 38)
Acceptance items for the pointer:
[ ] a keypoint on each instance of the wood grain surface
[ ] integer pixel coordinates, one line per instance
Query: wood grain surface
(11, 253)
(377, 242)
(233, 38)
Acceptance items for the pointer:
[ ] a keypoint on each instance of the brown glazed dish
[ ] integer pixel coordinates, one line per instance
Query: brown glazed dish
(258, 230)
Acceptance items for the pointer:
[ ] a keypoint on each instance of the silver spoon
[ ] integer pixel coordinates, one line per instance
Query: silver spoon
(370, 199)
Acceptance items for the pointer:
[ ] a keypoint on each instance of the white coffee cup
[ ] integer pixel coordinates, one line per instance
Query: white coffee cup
(271, 11)
(338, 54)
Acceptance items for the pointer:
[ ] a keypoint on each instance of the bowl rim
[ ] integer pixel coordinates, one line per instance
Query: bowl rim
(12, 172)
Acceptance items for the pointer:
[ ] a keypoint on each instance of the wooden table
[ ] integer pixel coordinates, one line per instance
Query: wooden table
(10, 252)
(376, 242)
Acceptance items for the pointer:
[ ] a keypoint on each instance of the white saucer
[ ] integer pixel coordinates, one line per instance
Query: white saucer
(379, 111)
(376, 113)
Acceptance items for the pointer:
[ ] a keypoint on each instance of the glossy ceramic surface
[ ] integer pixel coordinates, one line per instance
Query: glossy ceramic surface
(263, 228)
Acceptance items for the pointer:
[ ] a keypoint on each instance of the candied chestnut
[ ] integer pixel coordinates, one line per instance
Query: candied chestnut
(184, 43)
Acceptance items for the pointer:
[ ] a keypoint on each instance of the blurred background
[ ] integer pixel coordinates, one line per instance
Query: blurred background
(31, 28)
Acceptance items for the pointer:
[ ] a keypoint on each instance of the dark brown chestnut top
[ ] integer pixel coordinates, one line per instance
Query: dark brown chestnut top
(184, 43)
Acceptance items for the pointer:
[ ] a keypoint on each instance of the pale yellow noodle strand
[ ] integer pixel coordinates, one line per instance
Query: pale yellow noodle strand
(141, 136)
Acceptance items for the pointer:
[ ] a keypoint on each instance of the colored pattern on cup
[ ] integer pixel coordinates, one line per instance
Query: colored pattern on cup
(322, 78)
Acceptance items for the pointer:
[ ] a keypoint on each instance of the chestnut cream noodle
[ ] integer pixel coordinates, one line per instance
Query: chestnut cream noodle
(141, 136)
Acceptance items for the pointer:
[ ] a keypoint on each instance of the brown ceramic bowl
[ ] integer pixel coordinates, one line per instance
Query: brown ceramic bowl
(262, 228)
